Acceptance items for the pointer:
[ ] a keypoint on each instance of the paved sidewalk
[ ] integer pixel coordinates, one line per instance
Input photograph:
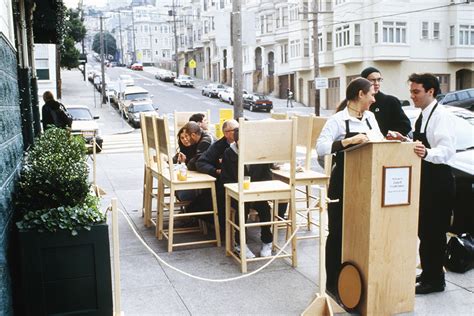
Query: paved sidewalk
(150, 288)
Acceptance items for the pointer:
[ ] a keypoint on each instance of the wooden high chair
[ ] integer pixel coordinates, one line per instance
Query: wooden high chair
(262, 142)
(305, 178)
(168, 179)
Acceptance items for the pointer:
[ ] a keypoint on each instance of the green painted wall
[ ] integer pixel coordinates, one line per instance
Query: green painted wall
(11, 153)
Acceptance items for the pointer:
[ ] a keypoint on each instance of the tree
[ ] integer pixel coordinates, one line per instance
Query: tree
(75, 31)
(110, 44)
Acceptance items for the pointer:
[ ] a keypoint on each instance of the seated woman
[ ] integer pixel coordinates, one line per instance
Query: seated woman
(348, 127)
(185, 150)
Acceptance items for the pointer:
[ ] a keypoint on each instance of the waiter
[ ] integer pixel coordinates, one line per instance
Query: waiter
(435, 133)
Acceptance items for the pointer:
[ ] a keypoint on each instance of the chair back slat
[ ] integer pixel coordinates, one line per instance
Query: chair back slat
(266, 141)
(279, 116)
(150, 146)
(318, 124)
(165, 153)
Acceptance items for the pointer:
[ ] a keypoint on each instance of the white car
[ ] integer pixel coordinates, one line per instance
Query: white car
(228, 95)
(184, 81)
(126, 81)
(212, 90)
(83, 123)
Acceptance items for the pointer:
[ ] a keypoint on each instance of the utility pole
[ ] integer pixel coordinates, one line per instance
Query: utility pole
(315, 11)
(175, 39)
(237, 57)
(102, 68)
(134, 59)
(121, 41)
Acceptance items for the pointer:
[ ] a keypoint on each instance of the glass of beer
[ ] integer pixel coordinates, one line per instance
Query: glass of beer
(246, 182)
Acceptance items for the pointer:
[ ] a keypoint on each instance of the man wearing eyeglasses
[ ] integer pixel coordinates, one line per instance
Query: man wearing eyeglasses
(387, 108)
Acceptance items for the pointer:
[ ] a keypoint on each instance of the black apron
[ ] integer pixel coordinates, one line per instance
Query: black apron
(436, 199)
(334, 239)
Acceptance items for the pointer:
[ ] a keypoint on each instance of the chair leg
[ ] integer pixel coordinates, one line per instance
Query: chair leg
(243, 244)
(228, 227)
(161, 209)
(216, 218)
(308, 212)
(292, 214)
(275, 229)
(144, 191)
(171, 220)
(148, 198)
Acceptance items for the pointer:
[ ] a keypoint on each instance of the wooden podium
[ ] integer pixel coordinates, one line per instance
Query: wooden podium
(380, 224)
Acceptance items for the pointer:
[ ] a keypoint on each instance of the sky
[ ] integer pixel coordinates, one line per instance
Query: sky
(73, 3)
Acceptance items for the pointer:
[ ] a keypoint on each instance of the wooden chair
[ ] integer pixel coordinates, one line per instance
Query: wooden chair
(168, 178)
(262, 142)
(181, 118)
(305, 178)
(279, 116)
(150, 153)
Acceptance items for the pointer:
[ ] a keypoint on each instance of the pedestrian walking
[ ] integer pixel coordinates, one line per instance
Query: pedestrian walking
(289, 100)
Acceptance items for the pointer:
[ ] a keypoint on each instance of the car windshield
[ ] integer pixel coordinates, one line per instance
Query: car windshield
(80, 114)
(260, 97)
(136, 96)
(185, 77)
(141, 108)
(220, 86)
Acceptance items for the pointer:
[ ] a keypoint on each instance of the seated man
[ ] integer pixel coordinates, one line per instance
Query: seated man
(259, 172)
(210, 163)
(201, 139)
(202, 121)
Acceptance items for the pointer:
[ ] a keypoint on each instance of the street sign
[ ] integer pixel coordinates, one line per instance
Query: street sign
(192, 63)
(321, 83)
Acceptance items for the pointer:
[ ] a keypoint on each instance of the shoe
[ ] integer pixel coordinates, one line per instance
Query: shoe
(248, 253)
(418, 278)
(266, 250)
(427, 287)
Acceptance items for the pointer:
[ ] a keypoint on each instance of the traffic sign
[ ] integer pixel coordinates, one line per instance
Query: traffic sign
(192, 63)
(321, 83)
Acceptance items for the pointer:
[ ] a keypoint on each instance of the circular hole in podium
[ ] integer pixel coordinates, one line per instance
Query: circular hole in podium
(349, 286)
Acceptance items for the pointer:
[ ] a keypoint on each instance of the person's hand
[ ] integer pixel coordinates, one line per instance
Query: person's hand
(181, 157)
(394, 135)
(218, 171)
(359, 139)
(420, 150)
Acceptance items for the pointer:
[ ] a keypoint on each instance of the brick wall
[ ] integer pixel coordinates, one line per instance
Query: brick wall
(11, 152)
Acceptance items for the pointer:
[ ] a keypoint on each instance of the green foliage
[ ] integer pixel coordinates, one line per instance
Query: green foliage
(110, 44)
(54, 192)
(75, 31)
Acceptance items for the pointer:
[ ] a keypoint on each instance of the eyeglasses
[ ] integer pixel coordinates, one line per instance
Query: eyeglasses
(376, 80)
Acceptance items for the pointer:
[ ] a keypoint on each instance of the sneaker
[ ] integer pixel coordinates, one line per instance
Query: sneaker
(248, 253)
(266, 250)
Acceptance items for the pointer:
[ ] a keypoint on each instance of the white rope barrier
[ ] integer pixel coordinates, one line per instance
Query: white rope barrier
(198, 277)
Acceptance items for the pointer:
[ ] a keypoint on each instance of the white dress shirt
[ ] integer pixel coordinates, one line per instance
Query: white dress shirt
(335, 129)
(440, 134)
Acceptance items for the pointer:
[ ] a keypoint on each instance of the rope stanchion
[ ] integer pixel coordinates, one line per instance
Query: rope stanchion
(194, 276)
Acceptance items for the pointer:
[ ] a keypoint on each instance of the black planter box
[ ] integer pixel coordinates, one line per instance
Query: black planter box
(65, 274)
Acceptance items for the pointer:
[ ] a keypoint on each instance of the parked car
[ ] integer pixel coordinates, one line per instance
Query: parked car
(111, 92)
(135, 108)
(184, 80)
(460, 98)
(257, 102)
(228, 95)
(137, 66)
(131, 94)
(212, 90)
(83, 122)
(165, 75)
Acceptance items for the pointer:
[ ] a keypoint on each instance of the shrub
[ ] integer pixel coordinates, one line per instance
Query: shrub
(54, 191)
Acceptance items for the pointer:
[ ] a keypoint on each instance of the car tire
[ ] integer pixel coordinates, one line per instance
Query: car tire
(251, 108)
(230, 101)
(220, 99)
(202, 93)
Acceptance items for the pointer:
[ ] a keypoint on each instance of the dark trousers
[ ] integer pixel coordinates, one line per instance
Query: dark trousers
(436, 203)
(264, 213)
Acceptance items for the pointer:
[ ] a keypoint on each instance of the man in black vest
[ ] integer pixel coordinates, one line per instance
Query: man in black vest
(434, 133)
(387, 108)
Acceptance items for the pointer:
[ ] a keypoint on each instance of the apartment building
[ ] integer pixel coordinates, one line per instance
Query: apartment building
(397, 37)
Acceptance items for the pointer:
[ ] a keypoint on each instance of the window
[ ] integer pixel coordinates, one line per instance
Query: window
(305, 10)
(376, 32)
(424, 30)
(42, 68)
(342, 36)
(466, 34)
(329, 41)
(340, 1)
(262, 24)
(284, 16)
(306, 48)
(284, 53)
(295, 48)
(436, 33)
(451, 35)
(320, 42)
(357, 34)
(394, 32)
(293, 12)
(246, 55)
(269, 23)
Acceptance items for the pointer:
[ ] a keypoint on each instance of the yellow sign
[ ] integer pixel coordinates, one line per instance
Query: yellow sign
(192, 63)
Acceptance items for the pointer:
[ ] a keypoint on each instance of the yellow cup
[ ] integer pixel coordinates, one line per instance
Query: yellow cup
(246, 183)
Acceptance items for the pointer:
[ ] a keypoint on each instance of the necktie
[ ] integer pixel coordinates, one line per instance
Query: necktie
(418, 123)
